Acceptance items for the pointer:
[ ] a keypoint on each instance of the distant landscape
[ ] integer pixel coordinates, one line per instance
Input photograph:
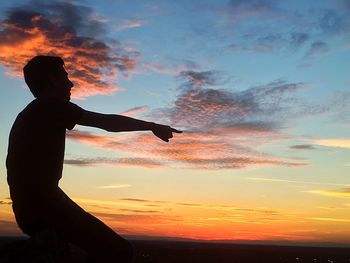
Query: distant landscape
(159, 251)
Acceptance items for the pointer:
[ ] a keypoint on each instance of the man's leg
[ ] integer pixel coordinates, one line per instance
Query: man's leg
(74, 225)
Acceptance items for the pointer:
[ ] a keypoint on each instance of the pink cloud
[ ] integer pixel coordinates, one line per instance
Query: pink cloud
(127, 24)
(135, 111)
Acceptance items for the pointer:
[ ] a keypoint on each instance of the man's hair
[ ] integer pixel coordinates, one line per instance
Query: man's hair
(38, 70)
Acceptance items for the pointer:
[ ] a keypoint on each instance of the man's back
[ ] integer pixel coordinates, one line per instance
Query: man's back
(37, 142)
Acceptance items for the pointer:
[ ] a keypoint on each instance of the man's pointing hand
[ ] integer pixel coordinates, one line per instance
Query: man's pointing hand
(164, 132)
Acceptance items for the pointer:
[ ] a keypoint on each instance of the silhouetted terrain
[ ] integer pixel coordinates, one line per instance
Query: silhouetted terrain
(181, 252)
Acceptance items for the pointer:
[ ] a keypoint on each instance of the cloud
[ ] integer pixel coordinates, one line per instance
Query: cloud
(4, 202)
(158, 68)
(294, 182)
(240, 9)
(271, 42)
(317, 48)
(114, 186)
(137, 218)
(71, 31)
(135, 111)
(299, 38)
(142, 162)
(176, 66)
(135, 200)
(264, 26)
(141, 200)
(331, 219)
(334, 22)
(88, 137)
(200, 104)
(127, 24)
(302, 147)
(139, 211)
(134, 216)
(192, 151)
(199, 78)
(222, 128)
(336, 143)
(340, 193)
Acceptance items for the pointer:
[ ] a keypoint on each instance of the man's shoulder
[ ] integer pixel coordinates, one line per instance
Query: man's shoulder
(48, 105)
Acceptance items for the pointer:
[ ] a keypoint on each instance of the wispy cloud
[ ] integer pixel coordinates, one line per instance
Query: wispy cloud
(128, 24)
(240, 9)
(5, 202)
(337, 143)
(134, 213)
(296, 182)
(193, 151)
(71, 31)
(267, 26)
(271, 42)
(132, 161)
(113, 186)
(176, 66)
(139, 211)
(200, 104)
(334, 22)
(317, 48)
(135, 111)
(330, 219)
(339, 193)
(222, 127)
(302, 147)
(139, 200)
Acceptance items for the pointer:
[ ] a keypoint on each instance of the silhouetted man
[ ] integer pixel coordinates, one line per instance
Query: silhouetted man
(35, 161)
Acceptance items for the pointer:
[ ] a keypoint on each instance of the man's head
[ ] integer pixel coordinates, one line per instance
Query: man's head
(46, 77)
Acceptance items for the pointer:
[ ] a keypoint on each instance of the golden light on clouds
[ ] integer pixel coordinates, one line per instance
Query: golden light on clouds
(341, 220)
(338, 143)
(193, 220)
(114, 186)
(342, 193)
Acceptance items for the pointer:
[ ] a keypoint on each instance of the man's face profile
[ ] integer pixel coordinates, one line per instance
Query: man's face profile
(61, 85)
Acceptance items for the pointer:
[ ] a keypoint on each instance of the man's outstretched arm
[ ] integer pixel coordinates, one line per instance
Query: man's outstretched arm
(119, 123)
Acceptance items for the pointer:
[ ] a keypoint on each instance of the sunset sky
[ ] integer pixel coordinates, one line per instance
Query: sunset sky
(260, 88)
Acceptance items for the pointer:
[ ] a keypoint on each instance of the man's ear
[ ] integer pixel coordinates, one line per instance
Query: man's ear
(52, 78)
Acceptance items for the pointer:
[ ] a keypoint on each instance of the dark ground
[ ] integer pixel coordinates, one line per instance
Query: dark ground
(193, 252)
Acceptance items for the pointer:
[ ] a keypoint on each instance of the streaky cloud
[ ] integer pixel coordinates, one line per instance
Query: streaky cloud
(336, 143)
(331, 219)
(222, 128)
(316, 49)
(128, 24)
(338, 193)
(132, 161)
(262, 179)
(114, 186)
(135, 111)
(302, 147)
